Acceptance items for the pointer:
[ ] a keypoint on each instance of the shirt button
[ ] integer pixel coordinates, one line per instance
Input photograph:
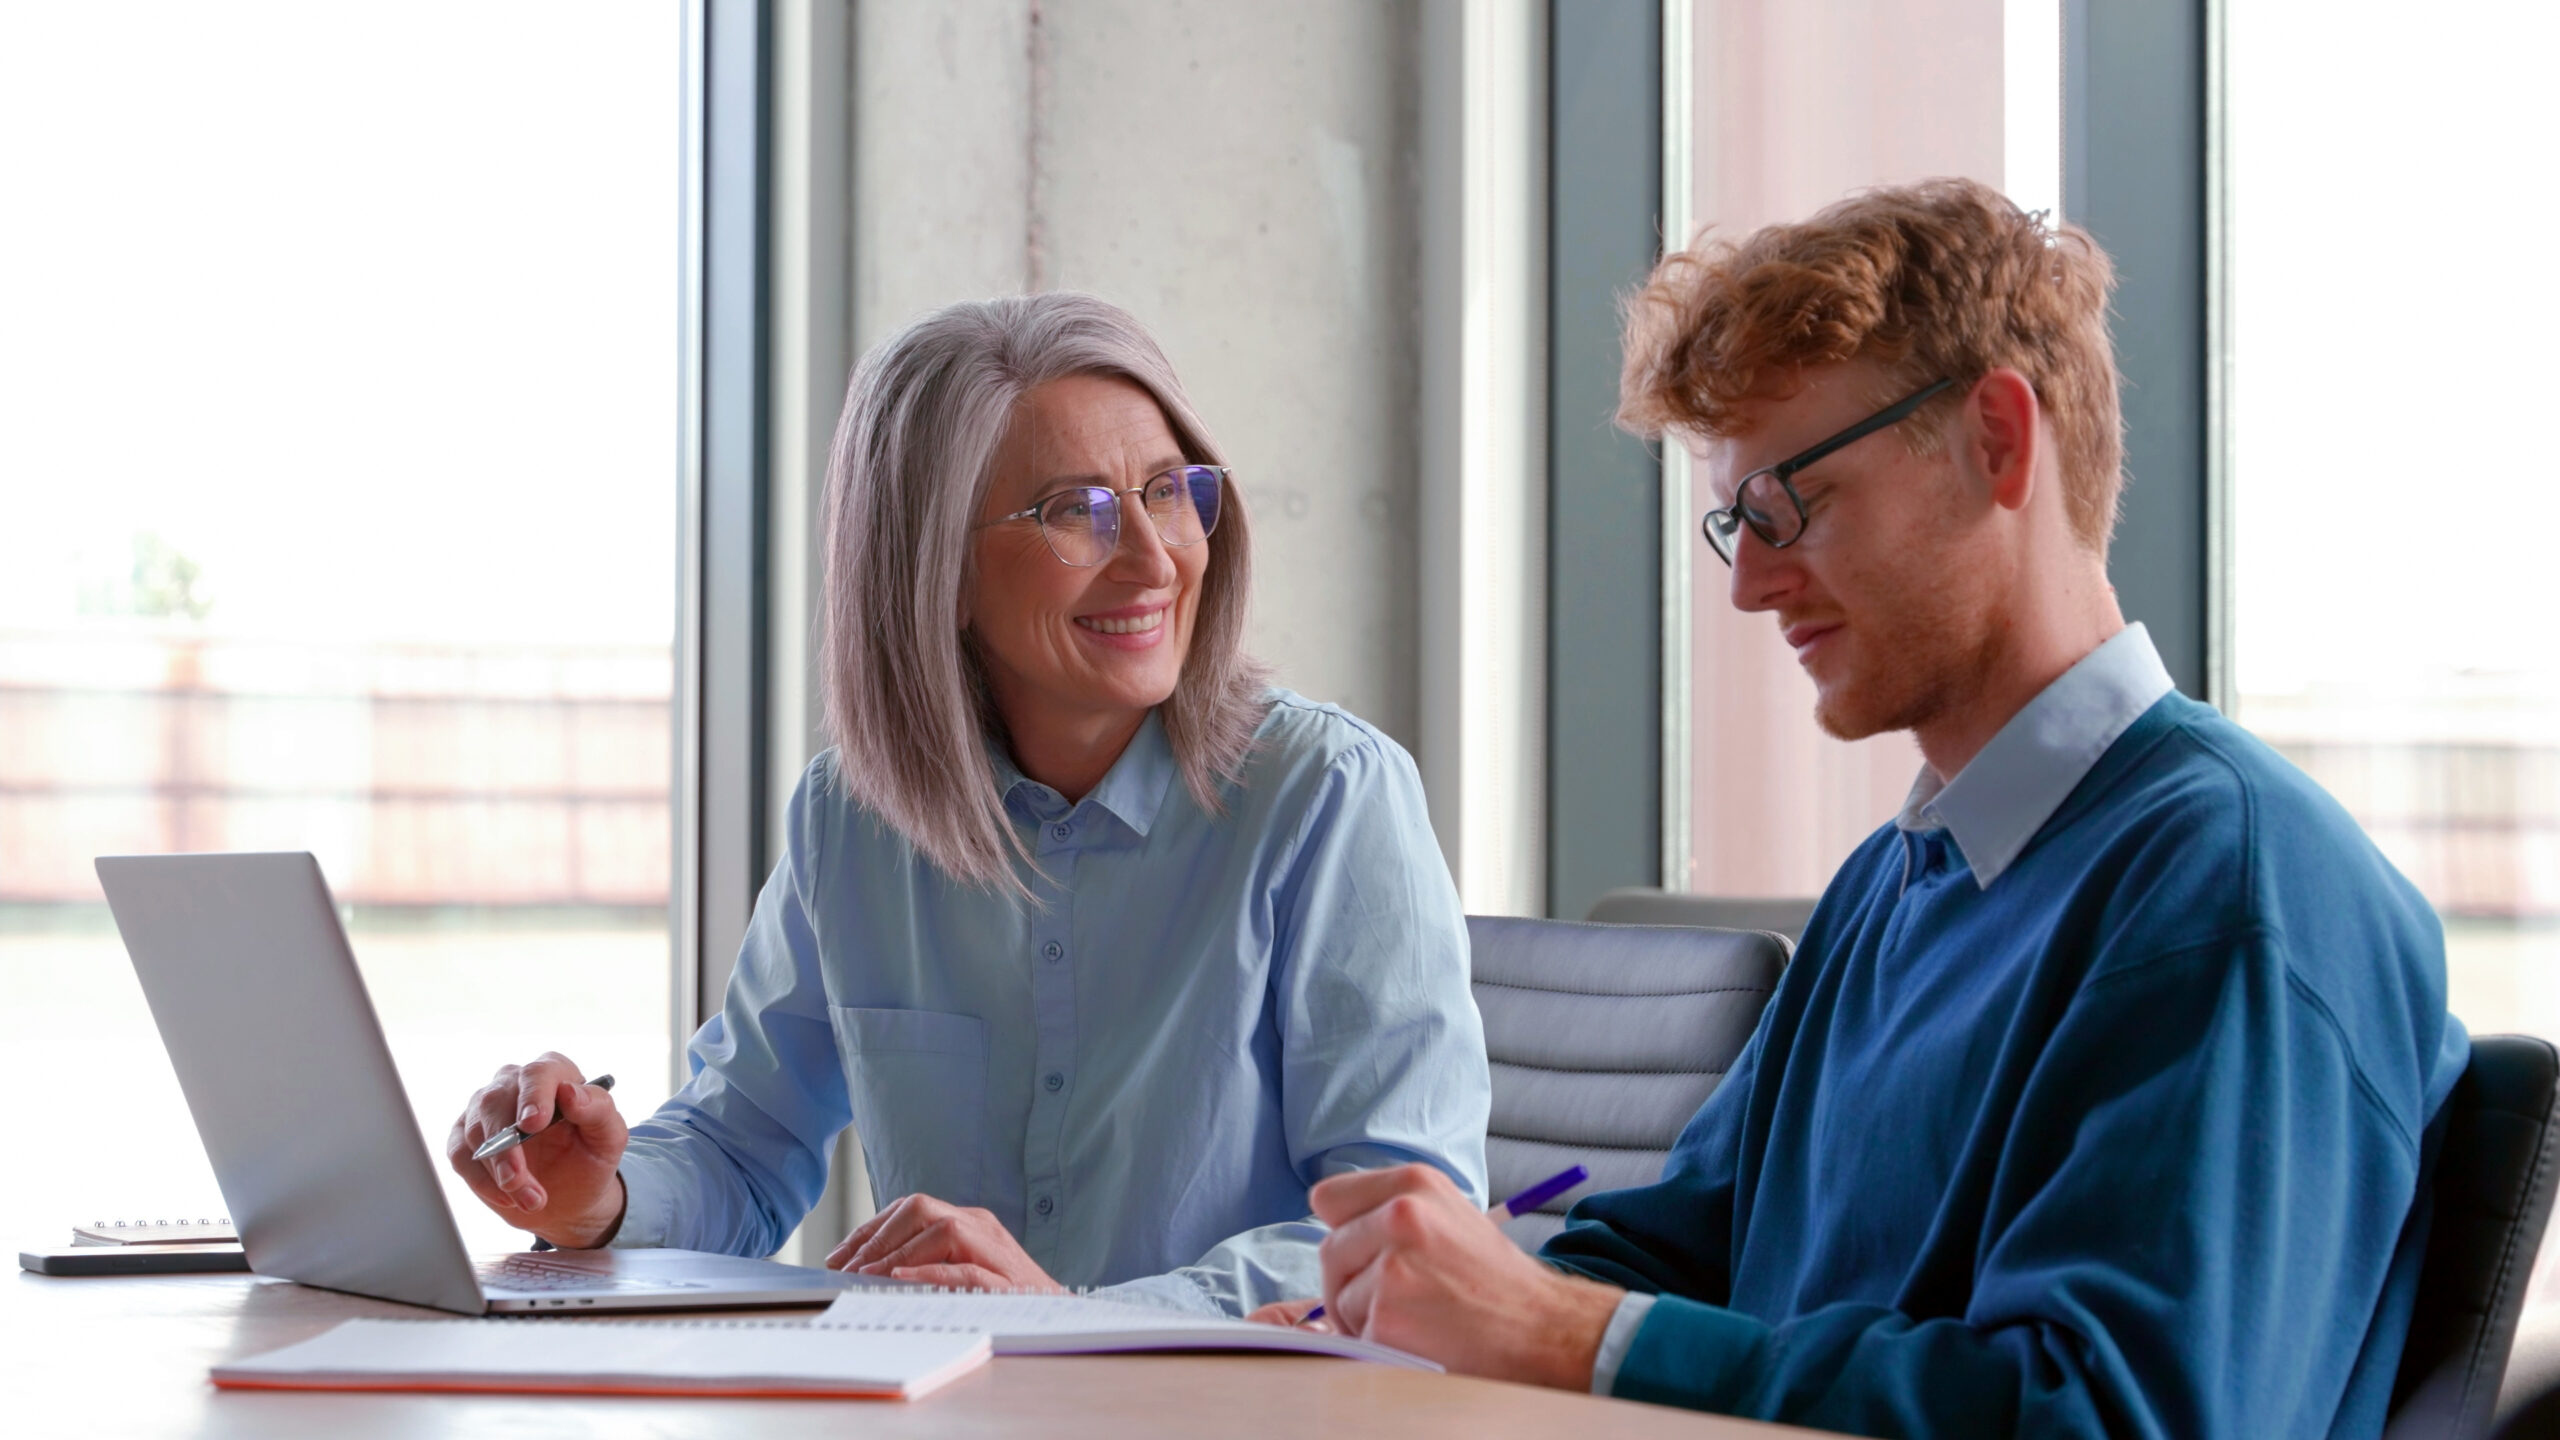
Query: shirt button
(1062, 831)
(1053, 950)
(1046, 1205)
(1056, 1082)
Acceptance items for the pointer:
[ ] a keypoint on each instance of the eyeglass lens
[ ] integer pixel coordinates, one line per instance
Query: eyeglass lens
(1766, 506)
(1723, 530)
(1083, 525)
(1770, 510)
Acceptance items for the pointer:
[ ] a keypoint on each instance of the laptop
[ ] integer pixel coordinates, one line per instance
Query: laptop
(282, 1061)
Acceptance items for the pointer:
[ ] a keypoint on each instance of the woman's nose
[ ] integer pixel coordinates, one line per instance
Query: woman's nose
(1141, 557)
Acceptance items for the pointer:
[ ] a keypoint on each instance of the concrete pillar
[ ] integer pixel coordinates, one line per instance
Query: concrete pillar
(1243, 179)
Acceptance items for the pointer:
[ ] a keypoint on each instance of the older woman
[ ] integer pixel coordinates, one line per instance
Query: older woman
(1106, 949)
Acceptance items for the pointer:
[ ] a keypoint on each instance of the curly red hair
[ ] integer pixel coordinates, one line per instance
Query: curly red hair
(1944, 278)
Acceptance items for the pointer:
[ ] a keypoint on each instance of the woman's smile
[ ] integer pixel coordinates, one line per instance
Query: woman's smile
(1132, 627)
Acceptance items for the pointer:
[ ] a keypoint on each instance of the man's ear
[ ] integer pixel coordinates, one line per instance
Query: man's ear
(2001, 432)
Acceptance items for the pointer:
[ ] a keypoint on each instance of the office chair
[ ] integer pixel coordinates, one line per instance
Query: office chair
(2532, 1386)
(1604, 1040)
(2492, 1196)
(2536, 1419)
(1644, 905)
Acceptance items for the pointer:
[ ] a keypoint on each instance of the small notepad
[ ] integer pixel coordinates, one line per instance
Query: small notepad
(1050, 1324)
(155, 1232)
(663, 1357)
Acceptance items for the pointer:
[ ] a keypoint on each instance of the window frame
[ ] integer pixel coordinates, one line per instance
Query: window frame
(723, 668)
(2141, 124)
(1609, 810)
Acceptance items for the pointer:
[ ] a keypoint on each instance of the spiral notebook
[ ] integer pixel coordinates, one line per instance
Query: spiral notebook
(779, 1358)
(156, 1232)
(1054, 1324)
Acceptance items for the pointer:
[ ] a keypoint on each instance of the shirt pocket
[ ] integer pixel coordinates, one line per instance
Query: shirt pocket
(918, 1080)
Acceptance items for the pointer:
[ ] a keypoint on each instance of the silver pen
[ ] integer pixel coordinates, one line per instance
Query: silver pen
(511, 1137)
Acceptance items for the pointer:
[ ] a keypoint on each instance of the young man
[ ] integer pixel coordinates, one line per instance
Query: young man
(2101, 1095)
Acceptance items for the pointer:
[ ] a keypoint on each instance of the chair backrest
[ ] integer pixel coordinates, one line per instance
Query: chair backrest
(1643, 905)
(2493, 1188)
(1604, 1040)
(2536, 1417)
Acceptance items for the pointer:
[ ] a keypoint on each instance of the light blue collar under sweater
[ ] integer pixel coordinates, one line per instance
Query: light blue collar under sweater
(1997, 803)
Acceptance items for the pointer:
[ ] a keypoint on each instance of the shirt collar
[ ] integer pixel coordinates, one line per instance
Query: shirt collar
(1998, 802)
(1132, 791)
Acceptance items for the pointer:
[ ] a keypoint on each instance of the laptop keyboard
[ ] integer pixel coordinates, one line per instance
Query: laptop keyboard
(533, 1272)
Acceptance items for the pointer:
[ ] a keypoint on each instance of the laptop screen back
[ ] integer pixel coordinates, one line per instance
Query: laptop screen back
(283, 1064)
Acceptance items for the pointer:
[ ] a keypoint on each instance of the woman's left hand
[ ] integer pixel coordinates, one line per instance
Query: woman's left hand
(922, 1239)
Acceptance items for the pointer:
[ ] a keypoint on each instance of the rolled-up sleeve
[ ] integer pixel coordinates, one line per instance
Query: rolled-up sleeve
(734, 1160)
(1382, 1057)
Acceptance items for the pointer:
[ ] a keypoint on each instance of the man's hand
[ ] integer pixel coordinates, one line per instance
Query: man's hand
(1290, 1314)
(564, 1183)
(922, 1239)
(1412, 1264)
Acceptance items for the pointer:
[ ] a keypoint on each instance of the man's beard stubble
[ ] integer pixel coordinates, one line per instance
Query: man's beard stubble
(1917, 675)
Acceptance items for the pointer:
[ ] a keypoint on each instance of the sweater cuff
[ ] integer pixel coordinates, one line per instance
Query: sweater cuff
(1624, 1322)
(1699, 1356)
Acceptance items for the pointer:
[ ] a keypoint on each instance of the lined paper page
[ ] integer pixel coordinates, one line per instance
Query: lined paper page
(998, 1312)
(1076, 1324)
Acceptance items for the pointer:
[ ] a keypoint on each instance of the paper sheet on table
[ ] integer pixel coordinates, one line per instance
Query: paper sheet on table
(1024, 1324)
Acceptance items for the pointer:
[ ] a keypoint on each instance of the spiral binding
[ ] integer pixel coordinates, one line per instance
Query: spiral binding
(217, 1221)
(1079, 1292)
(1070, 1292)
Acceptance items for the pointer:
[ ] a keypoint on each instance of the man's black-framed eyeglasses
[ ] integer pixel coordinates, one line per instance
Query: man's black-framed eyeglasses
(1767, 501)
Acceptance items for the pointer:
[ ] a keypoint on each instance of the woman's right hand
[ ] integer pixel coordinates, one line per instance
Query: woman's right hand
(564, 1182)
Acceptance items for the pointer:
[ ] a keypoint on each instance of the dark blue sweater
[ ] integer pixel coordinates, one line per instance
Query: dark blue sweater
(2126, 1143)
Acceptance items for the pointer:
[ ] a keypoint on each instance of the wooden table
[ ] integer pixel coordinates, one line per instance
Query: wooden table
(127, 1356)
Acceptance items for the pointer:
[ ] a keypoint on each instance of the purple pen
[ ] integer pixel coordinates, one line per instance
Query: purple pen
(1540, 1193)
(1513, 1208)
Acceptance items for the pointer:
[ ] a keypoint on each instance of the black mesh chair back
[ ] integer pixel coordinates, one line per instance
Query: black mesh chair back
(2492, 1196)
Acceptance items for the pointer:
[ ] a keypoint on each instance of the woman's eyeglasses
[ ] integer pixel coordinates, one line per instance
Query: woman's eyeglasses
(1082, 524)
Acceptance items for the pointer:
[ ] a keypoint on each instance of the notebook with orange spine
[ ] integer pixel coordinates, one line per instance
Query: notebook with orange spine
(777, 1358)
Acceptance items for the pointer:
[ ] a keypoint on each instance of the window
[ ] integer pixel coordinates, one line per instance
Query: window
(1797, 103)
(2392, 497)
(338, 361)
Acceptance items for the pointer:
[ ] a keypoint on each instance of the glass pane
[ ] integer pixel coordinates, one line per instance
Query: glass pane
(2390, 355)
(1798, 103)
(337, 364)
(1769, 509)
(2421, 686)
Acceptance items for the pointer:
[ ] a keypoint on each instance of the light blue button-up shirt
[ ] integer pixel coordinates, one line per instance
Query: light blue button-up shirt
(1141, 1074)
(1993, 807)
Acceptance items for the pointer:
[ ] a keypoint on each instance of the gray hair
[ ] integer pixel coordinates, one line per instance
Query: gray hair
(906, 695)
